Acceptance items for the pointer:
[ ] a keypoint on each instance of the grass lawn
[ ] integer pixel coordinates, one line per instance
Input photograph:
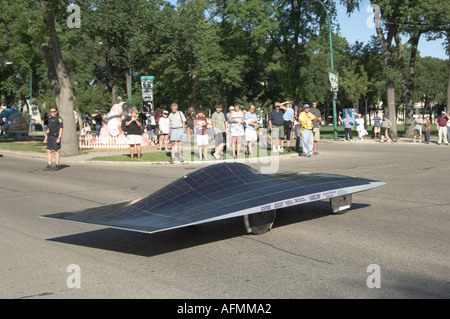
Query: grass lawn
(26, 144)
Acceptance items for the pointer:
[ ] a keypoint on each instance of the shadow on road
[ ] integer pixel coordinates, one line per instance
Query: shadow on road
(149, 245)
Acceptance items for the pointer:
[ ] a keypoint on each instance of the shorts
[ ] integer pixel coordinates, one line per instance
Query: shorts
(276, 131)
(316, 134)
(202, 140)
(52, 145)
(250, 135)
(220, 138)
(176, 135)
(134, 139)
(417, 132)
(377, 129)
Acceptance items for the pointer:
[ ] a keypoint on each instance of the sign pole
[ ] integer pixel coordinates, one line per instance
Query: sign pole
(334, 96)
(147, 93)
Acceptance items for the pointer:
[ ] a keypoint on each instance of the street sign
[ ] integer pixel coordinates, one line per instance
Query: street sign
(334, 82)
(147, 93)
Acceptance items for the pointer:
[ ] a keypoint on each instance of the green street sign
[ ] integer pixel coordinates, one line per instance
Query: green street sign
(147, 78)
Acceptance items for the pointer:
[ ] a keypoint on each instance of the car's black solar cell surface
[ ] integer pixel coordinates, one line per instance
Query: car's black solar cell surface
(216, 192)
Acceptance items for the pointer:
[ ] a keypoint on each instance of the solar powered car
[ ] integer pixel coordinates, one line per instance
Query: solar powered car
(223, 191)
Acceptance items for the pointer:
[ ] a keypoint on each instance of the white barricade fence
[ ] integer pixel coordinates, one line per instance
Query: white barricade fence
(107, 142)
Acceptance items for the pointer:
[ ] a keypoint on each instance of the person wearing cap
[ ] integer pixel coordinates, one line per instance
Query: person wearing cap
(163, 126)
(441, 125)
(306, 120)
(386, 124)
(276, 127)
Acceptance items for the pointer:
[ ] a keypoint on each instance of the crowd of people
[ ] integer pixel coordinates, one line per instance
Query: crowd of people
(237, 130)
(381, 126)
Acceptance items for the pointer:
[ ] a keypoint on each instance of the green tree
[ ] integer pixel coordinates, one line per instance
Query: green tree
(18, 57)
(431, 83)
(395, 20)
(52, 14)
(297, 22)
(354, 80)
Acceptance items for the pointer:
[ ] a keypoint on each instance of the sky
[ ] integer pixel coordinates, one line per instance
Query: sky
(358, 27)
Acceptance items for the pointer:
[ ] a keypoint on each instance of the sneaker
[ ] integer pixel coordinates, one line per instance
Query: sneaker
(47, 168)
(56, 168)
(274, 150)
(171, 161)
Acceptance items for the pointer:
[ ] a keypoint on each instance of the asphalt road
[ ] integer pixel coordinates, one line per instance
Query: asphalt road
(403, 228)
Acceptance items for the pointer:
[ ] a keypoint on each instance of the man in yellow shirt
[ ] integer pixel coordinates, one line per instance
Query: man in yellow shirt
(306, 128)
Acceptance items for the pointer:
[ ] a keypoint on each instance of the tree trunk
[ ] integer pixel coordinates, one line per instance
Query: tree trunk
(114, 97)
(127, 76)
(222, 91)
(388, 69)
(194, 90)
(51, 73)
(55, 63)
(407, 78)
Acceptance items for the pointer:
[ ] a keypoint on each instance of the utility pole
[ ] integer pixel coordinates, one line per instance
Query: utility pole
(334, 88)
